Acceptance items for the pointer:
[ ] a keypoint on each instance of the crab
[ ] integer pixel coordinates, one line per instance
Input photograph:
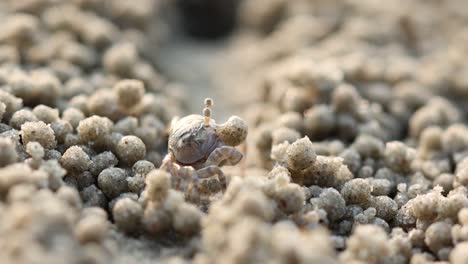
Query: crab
(198, 147)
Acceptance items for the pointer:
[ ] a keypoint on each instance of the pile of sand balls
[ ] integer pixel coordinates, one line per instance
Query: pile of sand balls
(368, 119)
(357, 149)
(83, 117)
(50, 225)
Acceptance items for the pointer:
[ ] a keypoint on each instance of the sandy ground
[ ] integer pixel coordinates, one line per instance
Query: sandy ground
(205, 68)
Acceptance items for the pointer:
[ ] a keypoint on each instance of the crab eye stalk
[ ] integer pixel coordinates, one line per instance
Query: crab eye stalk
(207, 116)
(208, 102)
(207, 111)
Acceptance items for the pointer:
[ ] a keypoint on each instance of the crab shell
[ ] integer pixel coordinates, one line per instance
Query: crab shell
(191, 141)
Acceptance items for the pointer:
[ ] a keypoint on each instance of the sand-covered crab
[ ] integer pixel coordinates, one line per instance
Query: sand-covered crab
(198, 147)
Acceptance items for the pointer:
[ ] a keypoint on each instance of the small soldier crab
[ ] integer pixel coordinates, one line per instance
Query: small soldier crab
(198, 147)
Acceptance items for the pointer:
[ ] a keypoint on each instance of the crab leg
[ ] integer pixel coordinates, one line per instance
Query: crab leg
(208, 172)
(225, 155)
(177, 172)
(169, 165)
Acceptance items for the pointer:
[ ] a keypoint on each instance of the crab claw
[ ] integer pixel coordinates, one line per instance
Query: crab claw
(233, 132)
